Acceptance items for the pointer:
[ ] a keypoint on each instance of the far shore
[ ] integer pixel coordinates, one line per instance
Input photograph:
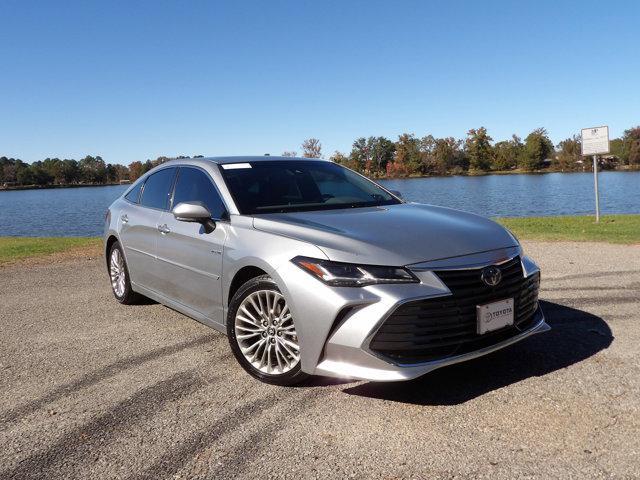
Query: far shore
(452, 174)
(47, 187)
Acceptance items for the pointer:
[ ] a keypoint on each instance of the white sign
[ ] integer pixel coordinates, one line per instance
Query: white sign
(595, 141)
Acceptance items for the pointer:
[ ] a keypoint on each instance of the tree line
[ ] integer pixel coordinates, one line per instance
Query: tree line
(410, 155)
(378, 157)
(88, 171)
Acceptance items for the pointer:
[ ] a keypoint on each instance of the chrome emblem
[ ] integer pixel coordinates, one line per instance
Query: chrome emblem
(491, 275)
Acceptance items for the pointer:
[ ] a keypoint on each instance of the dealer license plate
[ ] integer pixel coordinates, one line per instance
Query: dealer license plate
(495, 315)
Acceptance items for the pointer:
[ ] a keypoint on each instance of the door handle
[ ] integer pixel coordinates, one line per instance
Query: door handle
(163, 228)
(124, 218)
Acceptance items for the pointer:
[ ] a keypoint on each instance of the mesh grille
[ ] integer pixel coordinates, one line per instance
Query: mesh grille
(440, 327)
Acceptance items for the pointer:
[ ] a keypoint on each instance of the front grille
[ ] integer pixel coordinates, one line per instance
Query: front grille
(440, 327)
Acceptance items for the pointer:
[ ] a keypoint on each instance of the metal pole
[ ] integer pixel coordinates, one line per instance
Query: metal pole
(595, 183)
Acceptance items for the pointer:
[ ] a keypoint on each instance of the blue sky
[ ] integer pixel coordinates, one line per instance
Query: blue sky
(133, 80)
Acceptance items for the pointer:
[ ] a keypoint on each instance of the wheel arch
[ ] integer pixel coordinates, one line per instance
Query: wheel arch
(107, 247)
(242, 276)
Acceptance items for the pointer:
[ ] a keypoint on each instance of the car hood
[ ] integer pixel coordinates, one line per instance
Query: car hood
(391, 235)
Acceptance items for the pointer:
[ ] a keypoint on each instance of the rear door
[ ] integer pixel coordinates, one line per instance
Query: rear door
(190, 259)
(139, 227)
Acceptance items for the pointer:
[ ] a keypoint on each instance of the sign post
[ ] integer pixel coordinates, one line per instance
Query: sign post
(595, 141)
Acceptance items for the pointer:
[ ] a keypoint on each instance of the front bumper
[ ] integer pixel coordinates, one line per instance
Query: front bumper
(363, 365)
(335, 326)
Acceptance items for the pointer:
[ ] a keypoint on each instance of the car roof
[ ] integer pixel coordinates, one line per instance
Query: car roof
(262, 158)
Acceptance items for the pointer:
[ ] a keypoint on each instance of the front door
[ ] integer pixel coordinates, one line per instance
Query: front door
(190, 259)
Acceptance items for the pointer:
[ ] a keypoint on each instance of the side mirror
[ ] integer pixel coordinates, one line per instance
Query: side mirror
(195, 212)
(397, 194)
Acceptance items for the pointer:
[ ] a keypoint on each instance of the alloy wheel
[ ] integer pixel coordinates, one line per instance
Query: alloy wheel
(266, 334)
(117, 272)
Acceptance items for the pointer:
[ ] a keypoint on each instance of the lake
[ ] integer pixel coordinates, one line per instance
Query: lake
(80, 211)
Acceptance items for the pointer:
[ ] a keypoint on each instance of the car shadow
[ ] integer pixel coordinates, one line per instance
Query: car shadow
(575, 336)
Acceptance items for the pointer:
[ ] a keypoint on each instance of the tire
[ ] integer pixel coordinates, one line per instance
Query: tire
(259, 313)
(119, 276)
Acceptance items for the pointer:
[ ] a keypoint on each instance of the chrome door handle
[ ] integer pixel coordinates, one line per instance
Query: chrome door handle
(124, 218)
(163, 228)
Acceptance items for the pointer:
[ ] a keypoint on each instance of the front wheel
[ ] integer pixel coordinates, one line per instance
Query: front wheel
(262, 333)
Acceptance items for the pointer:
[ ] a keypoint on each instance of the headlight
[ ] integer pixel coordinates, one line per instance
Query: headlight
(338, 274)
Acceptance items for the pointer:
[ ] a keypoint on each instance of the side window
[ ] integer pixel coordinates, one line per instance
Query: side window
(134, 194)
(157, 189)
(194, 185)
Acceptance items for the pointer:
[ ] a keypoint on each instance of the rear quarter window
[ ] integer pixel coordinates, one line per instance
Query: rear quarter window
(134, 194)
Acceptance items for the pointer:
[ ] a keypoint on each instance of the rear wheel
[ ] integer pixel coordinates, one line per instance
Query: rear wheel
(262, 333)
(119, 276)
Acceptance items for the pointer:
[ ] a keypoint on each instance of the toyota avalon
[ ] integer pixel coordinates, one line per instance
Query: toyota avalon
(313, 269)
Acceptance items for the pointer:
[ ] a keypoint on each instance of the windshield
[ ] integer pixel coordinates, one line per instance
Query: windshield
(299, 185)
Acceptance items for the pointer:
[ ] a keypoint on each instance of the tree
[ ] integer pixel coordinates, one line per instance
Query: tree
(440, 156)
(507, 153)
(478, 149)
(631, 146)
(360, 156)
(569, 153)
(339, 158)
(381, 151)
(537, 148)
(289, 154)
(92, 169)
(135, 170)
(312, 148)
(407, 160)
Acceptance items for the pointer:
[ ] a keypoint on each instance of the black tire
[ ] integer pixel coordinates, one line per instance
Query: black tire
(128, 297)
(291, 377)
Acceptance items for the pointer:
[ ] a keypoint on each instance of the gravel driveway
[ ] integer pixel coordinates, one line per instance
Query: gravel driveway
(93, 389)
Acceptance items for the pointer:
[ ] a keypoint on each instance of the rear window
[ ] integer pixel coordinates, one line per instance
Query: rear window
(157, 189)
(134, 194)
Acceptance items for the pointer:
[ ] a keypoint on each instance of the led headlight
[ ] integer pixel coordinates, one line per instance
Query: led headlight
(340, 274)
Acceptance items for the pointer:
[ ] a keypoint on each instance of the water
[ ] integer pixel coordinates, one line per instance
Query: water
(80, 211)
(533, 195)
(59, 212)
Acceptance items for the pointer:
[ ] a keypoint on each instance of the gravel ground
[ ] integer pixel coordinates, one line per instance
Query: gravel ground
(93, 389)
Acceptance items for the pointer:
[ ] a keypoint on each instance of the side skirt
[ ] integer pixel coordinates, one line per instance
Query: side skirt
(177, 306)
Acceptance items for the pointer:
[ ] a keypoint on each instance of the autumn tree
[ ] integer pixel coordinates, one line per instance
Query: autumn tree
(135, 170)
(407, 160)
(339, 158)
(312, 148)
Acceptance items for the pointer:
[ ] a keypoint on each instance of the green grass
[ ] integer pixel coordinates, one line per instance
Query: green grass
(18, 248)
(612, 228)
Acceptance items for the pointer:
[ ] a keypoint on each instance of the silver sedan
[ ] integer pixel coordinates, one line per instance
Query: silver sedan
(312, 269)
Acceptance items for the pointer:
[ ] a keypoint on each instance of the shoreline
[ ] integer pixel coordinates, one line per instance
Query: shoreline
(503, 172)
(53, 187)
(446, 175)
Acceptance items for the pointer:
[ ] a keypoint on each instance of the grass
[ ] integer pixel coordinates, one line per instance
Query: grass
(611, 229)
(19, 248)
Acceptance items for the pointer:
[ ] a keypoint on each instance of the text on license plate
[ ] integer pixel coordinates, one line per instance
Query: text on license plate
(495, 315)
